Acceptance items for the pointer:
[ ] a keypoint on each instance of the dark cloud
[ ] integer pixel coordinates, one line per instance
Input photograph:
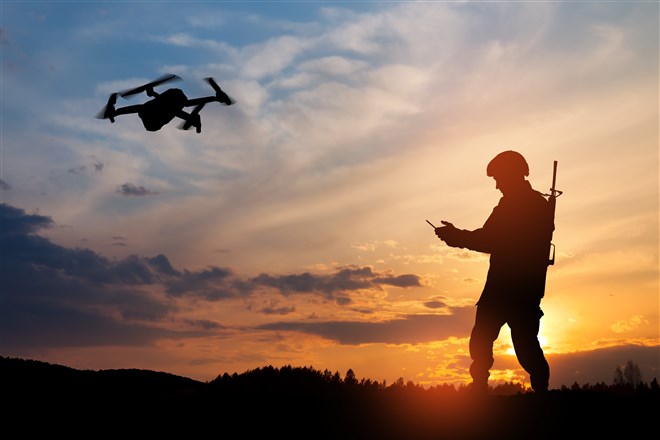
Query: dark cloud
(344, 279)
(128, 189)
(4, 185)
(278, 310)
(408, 280)
(599, 365)
(435, 304)
(594, 366)
(59, 296)
(411, 329)
(162, 264)
(15, 222)
(44, 324)
(211, 284)
(343, 300)
(54, 296)
(204, 324)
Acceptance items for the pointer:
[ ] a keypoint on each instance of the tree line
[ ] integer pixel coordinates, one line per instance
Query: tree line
(626, 380)
(304, 402)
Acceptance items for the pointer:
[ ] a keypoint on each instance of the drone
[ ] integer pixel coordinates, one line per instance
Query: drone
(165, 106)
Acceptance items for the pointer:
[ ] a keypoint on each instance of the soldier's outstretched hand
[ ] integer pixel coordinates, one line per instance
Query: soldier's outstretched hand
(447, 233)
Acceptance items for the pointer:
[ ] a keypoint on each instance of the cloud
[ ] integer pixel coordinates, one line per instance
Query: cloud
(128, 189)
(15, 222)
(77, 170)
(410, 329)
(465, 255)
(59, 296)
(435, 304)
(373, 245)
(97, 167)
(630, 324)
(204, 324)
(278, 310)
(187, 40)
(211, 284)
(469, 280)
(345, 279)
(592, 366)
(4, 185)
(271, 57)
(598, 365)
(373, 83)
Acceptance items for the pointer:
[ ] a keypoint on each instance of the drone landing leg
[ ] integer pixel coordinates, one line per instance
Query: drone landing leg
(191, 120)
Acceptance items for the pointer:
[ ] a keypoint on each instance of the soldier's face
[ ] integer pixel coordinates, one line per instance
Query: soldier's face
(505, 183)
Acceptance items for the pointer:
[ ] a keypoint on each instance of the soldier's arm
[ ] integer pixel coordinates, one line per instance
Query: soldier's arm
(480, 240)
(476, 240)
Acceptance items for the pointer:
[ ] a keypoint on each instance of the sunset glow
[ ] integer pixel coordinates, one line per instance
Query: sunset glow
(291, 230)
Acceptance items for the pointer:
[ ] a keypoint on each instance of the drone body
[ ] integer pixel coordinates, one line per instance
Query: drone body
(160, 110)
(163, 107)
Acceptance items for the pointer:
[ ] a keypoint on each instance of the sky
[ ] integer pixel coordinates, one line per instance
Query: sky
(292, 230)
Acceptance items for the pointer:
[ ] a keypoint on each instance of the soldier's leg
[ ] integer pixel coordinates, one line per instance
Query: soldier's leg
(487, 325)
(524, 335)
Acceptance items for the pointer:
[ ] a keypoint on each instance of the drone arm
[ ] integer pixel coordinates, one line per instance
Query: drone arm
(127, 110)
(109, 111)
(201, 101)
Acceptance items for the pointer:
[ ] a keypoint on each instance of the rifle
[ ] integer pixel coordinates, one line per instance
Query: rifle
(552, 199)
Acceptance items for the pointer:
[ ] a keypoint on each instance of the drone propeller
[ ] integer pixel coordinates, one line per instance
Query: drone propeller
(163, 79)
(193, 119)
(222, 96)
(108, 111)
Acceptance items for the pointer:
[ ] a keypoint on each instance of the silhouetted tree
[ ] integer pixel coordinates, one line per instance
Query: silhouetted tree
(630, 375)
(509, 389)
(350, 378)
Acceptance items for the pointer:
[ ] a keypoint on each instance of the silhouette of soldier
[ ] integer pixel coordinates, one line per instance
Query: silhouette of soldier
(517, 236)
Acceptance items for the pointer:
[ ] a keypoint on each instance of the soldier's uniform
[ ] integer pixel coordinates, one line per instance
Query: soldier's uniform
(517, 236)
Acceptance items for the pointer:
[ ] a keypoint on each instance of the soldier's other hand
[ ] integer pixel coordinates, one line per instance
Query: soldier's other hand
(447, 233)
(445, 230)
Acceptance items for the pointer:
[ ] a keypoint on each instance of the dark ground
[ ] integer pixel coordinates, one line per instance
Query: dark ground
(41, 399)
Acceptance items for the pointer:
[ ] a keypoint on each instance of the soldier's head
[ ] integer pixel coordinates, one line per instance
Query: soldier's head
(509, 169)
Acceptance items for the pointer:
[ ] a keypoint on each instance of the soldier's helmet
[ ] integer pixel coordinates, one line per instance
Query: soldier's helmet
(508, 163)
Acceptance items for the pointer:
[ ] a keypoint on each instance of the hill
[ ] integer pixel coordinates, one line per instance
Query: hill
(300, 402)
